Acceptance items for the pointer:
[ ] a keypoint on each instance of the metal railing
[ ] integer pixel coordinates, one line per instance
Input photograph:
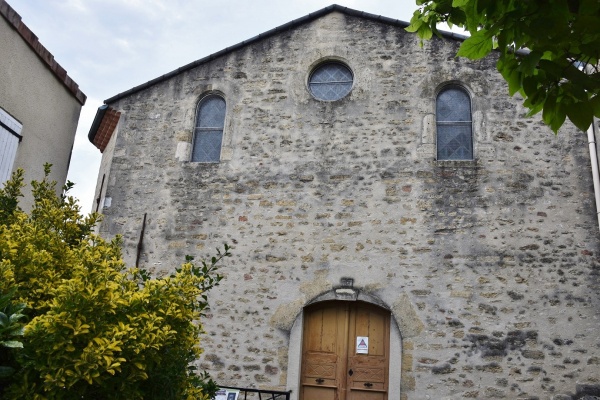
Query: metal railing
(271, 394)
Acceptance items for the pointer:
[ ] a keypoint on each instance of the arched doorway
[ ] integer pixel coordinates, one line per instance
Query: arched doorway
(345, 351)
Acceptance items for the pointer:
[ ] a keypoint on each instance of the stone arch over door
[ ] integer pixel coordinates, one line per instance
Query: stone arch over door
(344, 295)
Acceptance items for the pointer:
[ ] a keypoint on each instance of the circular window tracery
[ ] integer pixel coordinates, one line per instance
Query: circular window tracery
(330, 81)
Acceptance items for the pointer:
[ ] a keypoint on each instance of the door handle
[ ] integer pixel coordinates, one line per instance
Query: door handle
(319, 380)
(368, 384)
(350, 372)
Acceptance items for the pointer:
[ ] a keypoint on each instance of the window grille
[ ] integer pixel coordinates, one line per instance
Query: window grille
(208, 134)
(331, 81)
(454, 125)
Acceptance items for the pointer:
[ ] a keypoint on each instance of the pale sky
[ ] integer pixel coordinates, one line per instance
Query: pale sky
(110, 46)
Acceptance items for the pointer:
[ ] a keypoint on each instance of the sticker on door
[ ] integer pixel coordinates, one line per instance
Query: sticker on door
(362, 345)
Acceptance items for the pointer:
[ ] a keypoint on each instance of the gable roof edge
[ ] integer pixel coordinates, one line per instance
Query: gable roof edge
(282, 28)
(14, 20)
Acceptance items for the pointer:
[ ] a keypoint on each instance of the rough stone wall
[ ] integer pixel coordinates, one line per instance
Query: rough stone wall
(490, 267)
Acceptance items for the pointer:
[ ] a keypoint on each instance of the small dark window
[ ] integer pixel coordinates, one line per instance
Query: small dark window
(454, 125)
(208, 134)
(330, 81)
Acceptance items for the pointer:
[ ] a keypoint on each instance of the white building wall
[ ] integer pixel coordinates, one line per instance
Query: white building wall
(48, 112)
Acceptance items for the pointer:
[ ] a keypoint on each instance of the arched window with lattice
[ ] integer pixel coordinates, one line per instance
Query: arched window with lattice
(208, 133)
(454, 124)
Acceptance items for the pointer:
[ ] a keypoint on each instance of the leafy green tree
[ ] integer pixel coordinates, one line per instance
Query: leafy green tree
(95, 329)
(548, 49)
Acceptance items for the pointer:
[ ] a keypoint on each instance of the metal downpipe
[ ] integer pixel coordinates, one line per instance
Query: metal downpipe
(591, 133)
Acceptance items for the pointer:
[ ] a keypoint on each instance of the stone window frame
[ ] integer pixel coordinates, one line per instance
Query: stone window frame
(185, 139)
(196, 132)
(445, 87)
(321, 62)
(428, 146)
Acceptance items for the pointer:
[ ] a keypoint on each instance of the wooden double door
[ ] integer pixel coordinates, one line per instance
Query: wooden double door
(345, 352)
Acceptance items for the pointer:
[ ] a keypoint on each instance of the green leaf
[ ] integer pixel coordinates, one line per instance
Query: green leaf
(549, 109)
(576, 93)
(482, 5)
(16, 317)
(595, 104)
(534, 108)
(471, 17)
(16, 331)
(477, 46)
(530, 86)
(535, 101)
(553, 69)
(553, 115)
(576, 76)
(530, 62)
(456, 17)
(580, 114)
(441, 7)
(459, 3)
(510, 74)
(4, 321)
(425, 32)
(5, 298)
(414, 26)
(12, 344)
(558, 121)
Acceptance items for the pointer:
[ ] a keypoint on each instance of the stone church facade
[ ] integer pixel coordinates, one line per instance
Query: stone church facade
(463, 247)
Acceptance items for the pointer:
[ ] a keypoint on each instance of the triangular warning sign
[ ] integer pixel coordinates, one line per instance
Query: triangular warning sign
(362, 344)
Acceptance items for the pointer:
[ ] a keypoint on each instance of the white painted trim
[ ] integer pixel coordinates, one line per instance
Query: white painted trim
(295, 357)
(10, 121)
(8, 144)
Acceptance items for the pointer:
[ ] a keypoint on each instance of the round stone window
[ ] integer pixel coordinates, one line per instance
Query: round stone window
(330, 81)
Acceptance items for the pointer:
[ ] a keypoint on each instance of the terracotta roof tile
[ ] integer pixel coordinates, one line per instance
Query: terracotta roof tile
(106, 128)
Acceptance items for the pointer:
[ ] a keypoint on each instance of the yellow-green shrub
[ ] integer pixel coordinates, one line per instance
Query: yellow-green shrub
(97, 330)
